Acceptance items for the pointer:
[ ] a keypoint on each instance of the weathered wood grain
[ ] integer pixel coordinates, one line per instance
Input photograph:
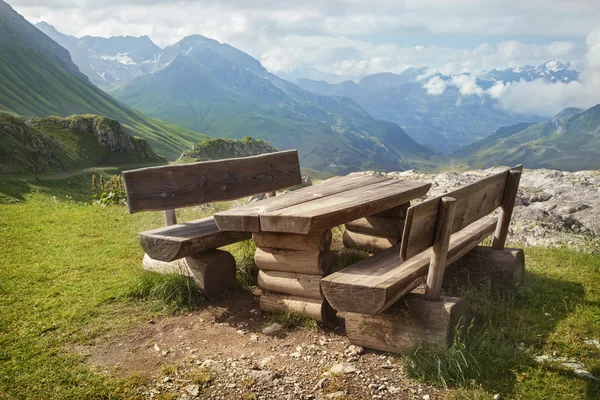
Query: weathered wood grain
(472, 203)
(375, 283)
(411, 322)
(170, 217)
(441, 241)
(174, 186)
(368, 243)
(318, 240)
(291, 283)
(501, 267)
(396, 212)
(176, 241)
(310, 262)
(342, 207)
(510, 196)
(212, 271)
(246, 218)
(378, 226)
(318, 309)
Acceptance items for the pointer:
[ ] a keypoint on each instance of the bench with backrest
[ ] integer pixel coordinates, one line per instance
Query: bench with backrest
(190, 247)
(375, 293)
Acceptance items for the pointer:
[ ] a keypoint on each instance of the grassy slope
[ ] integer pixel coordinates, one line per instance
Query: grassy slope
(34, 86)
(68, 149)
(63, 285)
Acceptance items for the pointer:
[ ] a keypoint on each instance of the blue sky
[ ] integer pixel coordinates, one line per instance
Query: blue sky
(348, 37)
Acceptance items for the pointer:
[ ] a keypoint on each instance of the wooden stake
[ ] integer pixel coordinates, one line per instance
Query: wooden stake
(170, 217)
(508, 204)
(443, 230)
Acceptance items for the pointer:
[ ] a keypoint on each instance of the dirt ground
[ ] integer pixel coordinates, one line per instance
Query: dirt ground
(220, 353)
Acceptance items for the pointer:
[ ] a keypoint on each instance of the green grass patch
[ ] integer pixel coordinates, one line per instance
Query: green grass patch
(167, 293)
(292, 320)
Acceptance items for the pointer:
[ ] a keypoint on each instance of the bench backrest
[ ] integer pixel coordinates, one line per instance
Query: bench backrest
(174, 186)
(473, 202)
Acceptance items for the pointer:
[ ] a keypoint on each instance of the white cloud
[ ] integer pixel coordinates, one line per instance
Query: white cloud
(548, 99)
(435, 86)
(467, 85)
(497, 89)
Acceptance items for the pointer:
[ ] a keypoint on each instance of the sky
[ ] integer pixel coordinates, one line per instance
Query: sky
(347, 37)
(354, 38)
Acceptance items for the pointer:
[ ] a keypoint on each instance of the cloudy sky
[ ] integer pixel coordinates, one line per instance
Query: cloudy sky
(349, 37)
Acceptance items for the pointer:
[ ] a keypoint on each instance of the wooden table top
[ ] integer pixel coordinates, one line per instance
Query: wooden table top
(322, 206)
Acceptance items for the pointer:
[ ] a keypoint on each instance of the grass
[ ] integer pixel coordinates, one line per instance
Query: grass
(69, 272)
(292, 320)
(551, 311)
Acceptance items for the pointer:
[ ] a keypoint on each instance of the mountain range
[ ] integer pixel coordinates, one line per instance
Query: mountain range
(443, 122)
(569, 141)
(38, 78)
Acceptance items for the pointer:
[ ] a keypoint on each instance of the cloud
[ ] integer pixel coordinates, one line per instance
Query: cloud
(344, 36)
(539, 97)
(435, 86)
(467, 85)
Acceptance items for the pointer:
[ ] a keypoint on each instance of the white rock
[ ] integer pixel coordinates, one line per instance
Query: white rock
(343, 368)
(273, 330)
(265, 376)
(216, 366)
(194, 390)
(335, 395)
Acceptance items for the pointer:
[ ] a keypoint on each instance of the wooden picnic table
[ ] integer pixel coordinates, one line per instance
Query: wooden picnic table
(293, 233)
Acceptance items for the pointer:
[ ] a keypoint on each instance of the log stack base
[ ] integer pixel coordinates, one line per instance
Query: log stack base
(410, 322)
(212, 271)
(376, 232)
(291, 267)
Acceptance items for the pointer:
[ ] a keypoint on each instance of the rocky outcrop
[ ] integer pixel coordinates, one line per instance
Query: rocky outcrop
(218, 149)
(109, 133)
(553, 207)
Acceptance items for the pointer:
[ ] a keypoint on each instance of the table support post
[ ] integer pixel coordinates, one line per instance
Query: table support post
(376, 232)
(291, 267)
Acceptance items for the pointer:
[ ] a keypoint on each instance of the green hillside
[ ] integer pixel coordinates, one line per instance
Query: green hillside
(220, 149)
(52, 144)
(570, 141)
(38, 79)
(212, 91)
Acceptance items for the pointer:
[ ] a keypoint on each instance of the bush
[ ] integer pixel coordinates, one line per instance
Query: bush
(109, 192)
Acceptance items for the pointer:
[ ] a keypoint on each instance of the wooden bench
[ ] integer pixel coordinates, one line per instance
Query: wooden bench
(190, 247)
(437, 233)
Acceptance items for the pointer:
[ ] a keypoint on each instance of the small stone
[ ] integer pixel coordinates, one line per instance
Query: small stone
(381, 388)
(167, 379)
(425, 397)
(265, 376)
(372, 386)
(320, 384)
(355, 350)
(497, 396)
(216, 366)
(165, 353)
(335, 395)
(194, 390)
(393, 390)
(156, 348)
(295, 355)
(254, 338)
(273, 330)
(343, 368)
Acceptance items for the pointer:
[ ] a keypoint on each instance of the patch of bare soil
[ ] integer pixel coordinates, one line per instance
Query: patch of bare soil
(220, 352)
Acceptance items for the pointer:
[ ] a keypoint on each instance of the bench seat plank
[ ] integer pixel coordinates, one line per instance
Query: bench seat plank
(373, 284)
(177, 241)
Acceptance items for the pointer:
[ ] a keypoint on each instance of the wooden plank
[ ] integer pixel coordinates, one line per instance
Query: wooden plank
(318, 309)
(510, 196)
(409, 323)
(472, 202)
(375, 283)
(301, 261)
(246, 218)
(378, 226)
(302, 285)
(318, 240)
(342, 207)
(368, 243)
(439, 251)
(176, 241)
(174, 186)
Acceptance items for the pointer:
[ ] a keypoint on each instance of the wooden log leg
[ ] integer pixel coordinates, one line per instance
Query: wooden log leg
(367, 242)
(319, 309)
(291, 267)
(412, 321)
(504, 267)
(212, 271)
